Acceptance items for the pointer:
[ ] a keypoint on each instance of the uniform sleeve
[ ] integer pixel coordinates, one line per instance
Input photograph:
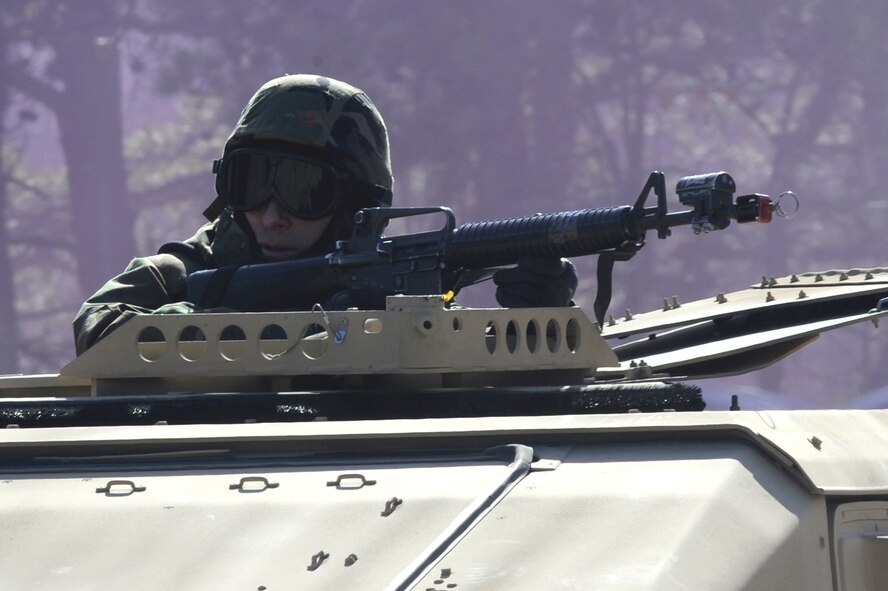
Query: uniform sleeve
(149, 285)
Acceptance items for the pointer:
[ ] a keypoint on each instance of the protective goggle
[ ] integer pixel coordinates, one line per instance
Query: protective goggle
(307, 189)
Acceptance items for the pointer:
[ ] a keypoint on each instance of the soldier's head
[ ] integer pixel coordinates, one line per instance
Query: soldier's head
(306, 154)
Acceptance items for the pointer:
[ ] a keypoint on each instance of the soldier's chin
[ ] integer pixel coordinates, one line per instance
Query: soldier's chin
(280, 254)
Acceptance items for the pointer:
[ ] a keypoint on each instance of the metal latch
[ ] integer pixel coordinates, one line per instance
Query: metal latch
(240, 486)
(350, 482)
(111, 483)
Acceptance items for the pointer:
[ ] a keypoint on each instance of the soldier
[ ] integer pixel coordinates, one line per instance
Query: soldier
(307, 153)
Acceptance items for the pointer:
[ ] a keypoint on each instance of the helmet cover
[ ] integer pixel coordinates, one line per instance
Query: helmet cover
(322, 118)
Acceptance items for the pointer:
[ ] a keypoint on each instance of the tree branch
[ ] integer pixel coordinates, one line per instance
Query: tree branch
(35, 88)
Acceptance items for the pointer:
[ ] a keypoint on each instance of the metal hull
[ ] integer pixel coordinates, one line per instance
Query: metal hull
(714, 500)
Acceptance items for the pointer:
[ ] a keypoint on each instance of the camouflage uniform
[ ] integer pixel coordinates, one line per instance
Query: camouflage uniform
(314, 114)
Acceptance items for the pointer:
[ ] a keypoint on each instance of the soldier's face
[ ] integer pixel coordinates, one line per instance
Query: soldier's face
(281, 236)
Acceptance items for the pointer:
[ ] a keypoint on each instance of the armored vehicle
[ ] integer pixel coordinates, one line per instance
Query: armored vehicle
(429, 446)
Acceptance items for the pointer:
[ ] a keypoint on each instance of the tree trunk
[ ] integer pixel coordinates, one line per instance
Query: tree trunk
(91, 129)
(9, 335)
(553, 99)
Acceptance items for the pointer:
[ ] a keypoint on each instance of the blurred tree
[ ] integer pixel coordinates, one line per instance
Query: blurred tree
(65, 63)
(694, 86)
(857, 143)
(69, 61)
(481, 102)
(10, 333)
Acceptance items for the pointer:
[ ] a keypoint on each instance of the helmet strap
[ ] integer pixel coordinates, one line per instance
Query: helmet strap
(215, 208)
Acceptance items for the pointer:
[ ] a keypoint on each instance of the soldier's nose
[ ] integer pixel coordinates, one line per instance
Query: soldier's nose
(274, 215)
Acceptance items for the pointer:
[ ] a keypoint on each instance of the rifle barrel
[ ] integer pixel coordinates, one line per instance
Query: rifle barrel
(566, 234)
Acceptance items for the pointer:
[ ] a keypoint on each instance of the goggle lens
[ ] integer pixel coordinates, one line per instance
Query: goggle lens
(306, 189)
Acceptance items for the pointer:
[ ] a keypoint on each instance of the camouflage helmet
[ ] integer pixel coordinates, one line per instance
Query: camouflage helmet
(323, 118)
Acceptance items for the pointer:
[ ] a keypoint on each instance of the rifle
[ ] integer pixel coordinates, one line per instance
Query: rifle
(445, 260)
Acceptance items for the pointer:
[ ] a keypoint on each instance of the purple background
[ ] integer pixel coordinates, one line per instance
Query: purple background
(113, 110)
